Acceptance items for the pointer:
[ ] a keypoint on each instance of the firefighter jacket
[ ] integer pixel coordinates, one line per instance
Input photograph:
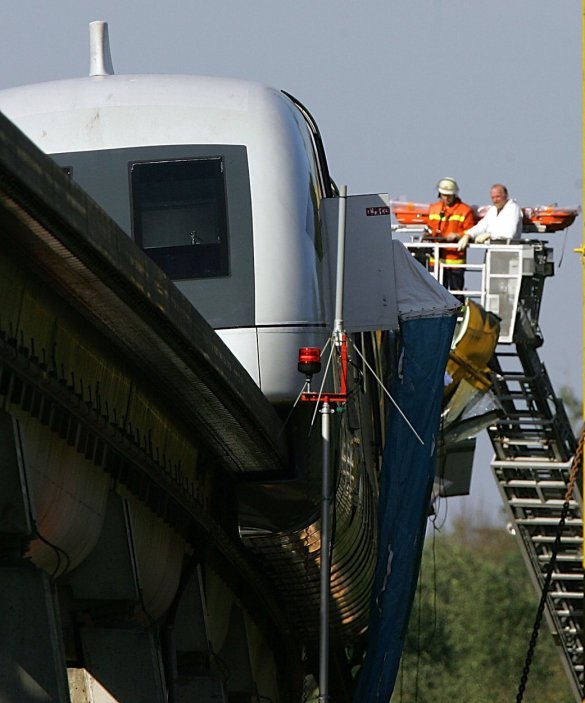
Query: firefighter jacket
(450, 219)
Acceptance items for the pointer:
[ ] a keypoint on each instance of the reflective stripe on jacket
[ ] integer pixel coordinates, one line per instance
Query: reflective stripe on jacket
(445, 220)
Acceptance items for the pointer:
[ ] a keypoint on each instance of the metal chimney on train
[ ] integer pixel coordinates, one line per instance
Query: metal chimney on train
(100, 58)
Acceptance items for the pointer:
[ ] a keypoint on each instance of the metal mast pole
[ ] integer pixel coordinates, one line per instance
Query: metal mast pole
(325, 556)
(339, 281)
(325, 582)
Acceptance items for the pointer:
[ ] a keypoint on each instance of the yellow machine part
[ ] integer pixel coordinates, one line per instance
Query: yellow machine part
(474, 343)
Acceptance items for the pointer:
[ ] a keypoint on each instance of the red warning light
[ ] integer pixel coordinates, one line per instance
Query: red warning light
(309, 360)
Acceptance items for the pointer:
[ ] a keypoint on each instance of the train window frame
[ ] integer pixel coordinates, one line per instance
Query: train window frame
(225, 302)
(182, 191)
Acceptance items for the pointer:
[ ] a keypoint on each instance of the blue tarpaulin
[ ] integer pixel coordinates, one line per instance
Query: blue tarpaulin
(406, 480)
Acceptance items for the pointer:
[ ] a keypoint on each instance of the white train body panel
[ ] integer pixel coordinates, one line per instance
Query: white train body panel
(290, 290)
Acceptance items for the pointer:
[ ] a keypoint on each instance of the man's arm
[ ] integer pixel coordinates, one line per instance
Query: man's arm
(482, 226)
(468, 223)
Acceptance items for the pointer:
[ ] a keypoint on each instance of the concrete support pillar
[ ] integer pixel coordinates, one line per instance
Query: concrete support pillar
(195, 683)
(32, 663)
(202, 689)
(122, 659)
(126, 663)
(84, 688)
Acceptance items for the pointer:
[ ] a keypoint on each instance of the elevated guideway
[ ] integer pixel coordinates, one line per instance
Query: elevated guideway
(85, 313)
(534, 444)
(55, 234)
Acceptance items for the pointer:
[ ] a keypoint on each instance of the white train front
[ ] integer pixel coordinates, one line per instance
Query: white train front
(219, 181)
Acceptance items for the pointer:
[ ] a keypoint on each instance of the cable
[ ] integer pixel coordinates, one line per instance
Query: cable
(294, 405)
(562, 256)
(58, 551)
(401, 690)
(434, 519)
(435, 609)
(418, 642)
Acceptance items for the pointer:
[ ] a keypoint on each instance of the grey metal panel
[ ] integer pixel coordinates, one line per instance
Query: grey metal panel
(224, 302)
(454, 468)
(369, 301)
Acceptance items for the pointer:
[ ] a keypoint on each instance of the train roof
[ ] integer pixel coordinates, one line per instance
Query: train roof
(140, 90)
(112, 111)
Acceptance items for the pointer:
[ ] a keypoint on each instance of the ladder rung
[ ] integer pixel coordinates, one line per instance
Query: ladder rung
(515, 375)
(565, 558)
(534, 483)
(532, 422)
(549, 539)
(541, 520)
(544, 463)
(523, 442)
(567, 577)
(568, 595)
(537, 502)
(524, 418)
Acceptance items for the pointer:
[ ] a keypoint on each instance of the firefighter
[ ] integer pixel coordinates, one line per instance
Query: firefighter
(449, 218)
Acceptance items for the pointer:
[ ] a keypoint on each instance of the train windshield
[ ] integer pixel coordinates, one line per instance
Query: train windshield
(180, 215)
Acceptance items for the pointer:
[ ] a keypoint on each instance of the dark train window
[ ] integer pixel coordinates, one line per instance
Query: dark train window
(180, 215)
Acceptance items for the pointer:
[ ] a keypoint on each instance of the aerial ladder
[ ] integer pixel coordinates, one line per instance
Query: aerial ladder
(533, 441)
(534, 448)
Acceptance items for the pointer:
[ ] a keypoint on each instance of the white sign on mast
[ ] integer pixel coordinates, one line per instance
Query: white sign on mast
(369, 287)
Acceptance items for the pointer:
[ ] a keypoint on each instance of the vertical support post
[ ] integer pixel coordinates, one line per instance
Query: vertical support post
(339, 281)
(325, 556)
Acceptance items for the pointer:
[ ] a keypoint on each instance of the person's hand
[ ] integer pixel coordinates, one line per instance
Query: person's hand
(463, 242)
(451, 237)
(481, 238)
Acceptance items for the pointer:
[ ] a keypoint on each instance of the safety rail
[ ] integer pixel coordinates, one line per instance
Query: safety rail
(497, 276)
(428, 252)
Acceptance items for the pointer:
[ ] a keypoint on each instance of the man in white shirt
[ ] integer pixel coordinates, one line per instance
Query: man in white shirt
(502, 221)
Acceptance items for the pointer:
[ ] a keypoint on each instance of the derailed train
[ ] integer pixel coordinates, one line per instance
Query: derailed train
(220, 182)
